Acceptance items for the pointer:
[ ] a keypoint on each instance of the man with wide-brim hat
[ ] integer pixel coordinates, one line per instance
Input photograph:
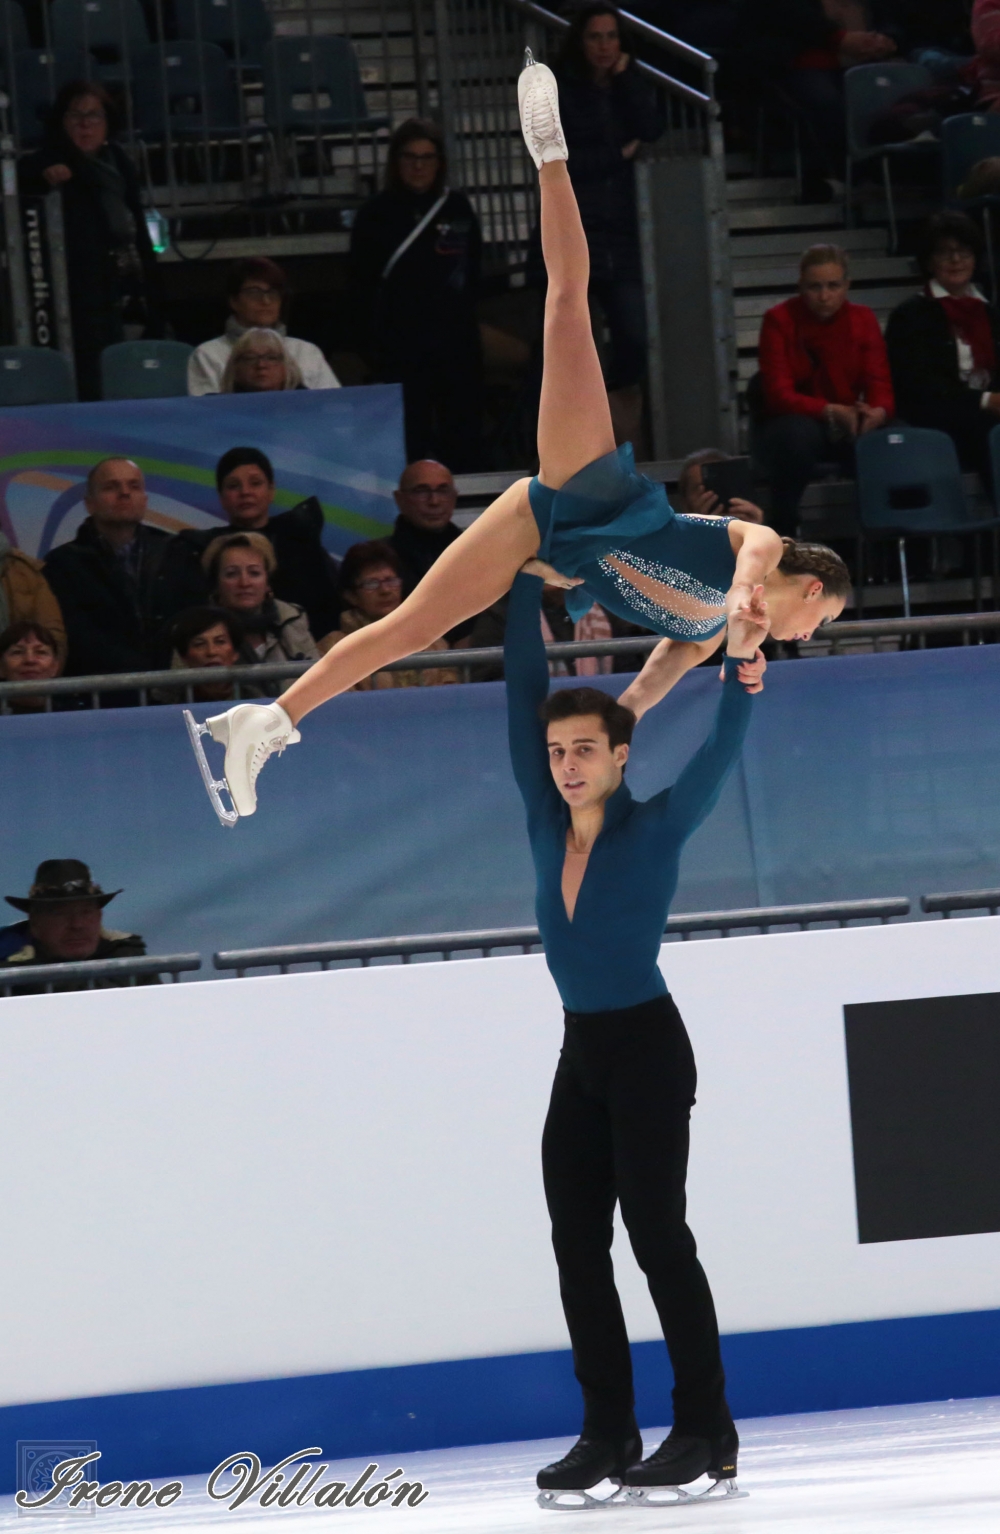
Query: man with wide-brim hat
(63, 907)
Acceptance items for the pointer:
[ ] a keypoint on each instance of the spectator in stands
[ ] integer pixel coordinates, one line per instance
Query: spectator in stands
(105, 579)
(798, 50)
(305, 574)
(259, 363)
(257, 290)
(64, 925)
(415, 259)
(694, 500)
(372, 583)
(110, 264)
(210, 637)
(608, 110)
(824, 376)
(26, 594)
(29, 652)
(239, 567)
(426, 499)
(944, 344)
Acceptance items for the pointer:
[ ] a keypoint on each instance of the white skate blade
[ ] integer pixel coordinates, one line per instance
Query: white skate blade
(678, 1496)
(214, 787)
(580, 1501)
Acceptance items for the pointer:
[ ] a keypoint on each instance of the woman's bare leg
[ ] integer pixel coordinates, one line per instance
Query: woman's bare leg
(473, 572)
(574, 419)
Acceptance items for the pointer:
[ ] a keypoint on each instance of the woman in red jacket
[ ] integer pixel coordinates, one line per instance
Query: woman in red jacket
(825, 380)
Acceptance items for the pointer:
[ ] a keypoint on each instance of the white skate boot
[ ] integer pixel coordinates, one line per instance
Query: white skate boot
(538, 103)
(250, 732)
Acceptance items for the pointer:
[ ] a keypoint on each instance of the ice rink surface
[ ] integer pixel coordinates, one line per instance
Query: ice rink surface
(884, 1470)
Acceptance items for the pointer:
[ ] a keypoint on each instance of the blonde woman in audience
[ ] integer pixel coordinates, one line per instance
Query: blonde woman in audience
(239, 567)
(260, 363)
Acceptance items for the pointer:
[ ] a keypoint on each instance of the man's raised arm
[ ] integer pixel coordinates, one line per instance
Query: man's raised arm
(526, 670)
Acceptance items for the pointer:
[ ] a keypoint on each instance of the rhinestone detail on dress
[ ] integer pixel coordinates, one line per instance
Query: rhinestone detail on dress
(684, 617)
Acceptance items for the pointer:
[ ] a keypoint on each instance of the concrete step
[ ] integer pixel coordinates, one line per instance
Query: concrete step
(878, 298)
(786, 275)
(789, 242)
(761, 189)
(820, 215)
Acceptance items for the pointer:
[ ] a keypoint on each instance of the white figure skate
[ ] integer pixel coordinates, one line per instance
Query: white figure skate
(251, 733)
(538, 104)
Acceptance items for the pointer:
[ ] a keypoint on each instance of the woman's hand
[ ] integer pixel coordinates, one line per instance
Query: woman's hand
(629, 150)
(865, 48)
(843, 418)
(55, 175)
(550, 576)
(870, 418)
(621, 63)
(748, 626)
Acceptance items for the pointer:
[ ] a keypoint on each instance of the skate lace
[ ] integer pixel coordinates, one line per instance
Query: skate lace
(263, 752)
(542, 122)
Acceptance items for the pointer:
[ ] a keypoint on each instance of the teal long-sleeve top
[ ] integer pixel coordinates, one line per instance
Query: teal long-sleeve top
(606, 957)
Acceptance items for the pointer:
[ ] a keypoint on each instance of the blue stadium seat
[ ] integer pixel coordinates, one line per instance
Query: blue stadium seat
(186, 87)
(35, 375)
(869, 91)
(110, 29)
(34, 81)
(144, 370)
(239, 27)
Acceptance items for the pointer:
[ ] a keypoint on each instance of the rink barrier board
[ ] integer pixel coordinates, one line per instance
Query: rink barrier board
(380, 1412)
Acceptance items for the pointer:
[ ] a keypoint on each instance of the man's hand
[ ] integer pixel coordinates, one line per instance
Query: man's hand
(748, 625)
(550, 576)
(865, 48)
(55, 175)
(621, 63)
(870, 418)
(750, 672)
(843, 418)
(703, 503)
(745, 511)
(629, 150)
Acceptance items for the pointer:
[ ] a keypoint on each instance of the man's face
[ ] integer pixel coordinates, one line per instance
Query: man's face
(257, 304)
(211, 648)
(427, 495)
(246, 496)
(70, 930)
(585, 766)
(118, 493)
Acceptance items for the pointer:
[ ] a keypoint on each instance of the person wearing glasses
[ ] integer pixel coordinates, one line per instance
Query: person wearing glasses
(257, 289)
(415, 257)
(260, 363)
(372, 584)
(114, 289)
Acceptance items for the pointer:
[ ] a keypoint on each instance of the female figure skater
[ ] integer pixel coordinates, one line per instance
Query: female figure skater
(588, 522)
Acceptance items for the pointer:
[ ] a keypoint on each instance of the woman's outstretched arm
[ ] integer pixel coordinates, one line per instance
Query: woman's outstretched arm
(758, 553)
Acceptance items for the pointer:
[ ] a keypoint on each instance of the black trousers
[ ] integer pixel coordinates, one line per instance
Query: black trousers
(617, 1131)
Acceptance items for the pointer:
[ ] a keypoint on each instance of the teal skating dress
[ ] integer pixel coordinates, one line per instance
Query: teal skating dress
(638, 557)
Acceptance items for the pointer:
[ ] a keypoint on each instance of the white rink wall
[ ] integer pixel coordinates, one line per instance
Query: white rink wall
(218, 1182)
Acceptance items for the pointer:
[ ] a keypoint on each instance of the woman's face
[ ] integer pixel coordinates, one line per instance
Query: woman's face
(257, 304)
(86, 124)
(246, 496)
(418, 165)
(261, 367)
(799, 608)
(211, 648)
(824, 289)
(243, 582)
(29, 660)
(953, 265)
(379, 591)
(601, 43)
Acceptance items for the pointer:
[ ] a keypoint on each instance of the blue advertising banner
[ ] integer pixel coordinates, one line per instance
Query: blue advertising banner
(345, 446)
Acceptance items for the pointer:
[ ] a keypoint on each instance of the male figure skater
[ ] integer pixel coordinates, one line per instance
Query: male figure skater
(617, 1127)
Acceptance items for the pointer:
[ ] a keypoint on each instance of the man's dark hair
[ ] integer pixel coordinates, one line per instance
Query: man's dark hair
(363, 556)
(572, 57)
(255, 268)
(197, 620)
(948, 226)
(24, 628)
(408, 133)
(237, 457)
(617, 720)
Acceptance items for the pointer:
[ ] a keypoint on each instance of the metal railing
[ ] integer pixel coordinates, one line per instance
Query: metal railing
(181, 684)
(490, 941)
(965, 900)
(61, 977)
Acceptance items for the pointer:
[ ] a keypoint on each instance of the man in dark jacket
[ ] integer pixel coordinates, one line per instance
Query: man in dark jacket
(64, 926)
(306, 573)
(105, 579)
(426, 498)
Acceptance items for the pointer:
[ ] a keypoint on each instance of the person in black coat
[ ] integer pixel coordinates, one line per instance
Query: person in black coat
(944, 344)
(419, 295)
(608, 109)
(105, 578)
(306, 575)
(110, 264)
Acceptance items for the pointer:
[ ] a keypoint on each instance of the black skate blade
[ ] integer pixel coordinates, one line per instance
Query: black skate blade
(582, 1501)
(679, 1496)
(214, 787)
